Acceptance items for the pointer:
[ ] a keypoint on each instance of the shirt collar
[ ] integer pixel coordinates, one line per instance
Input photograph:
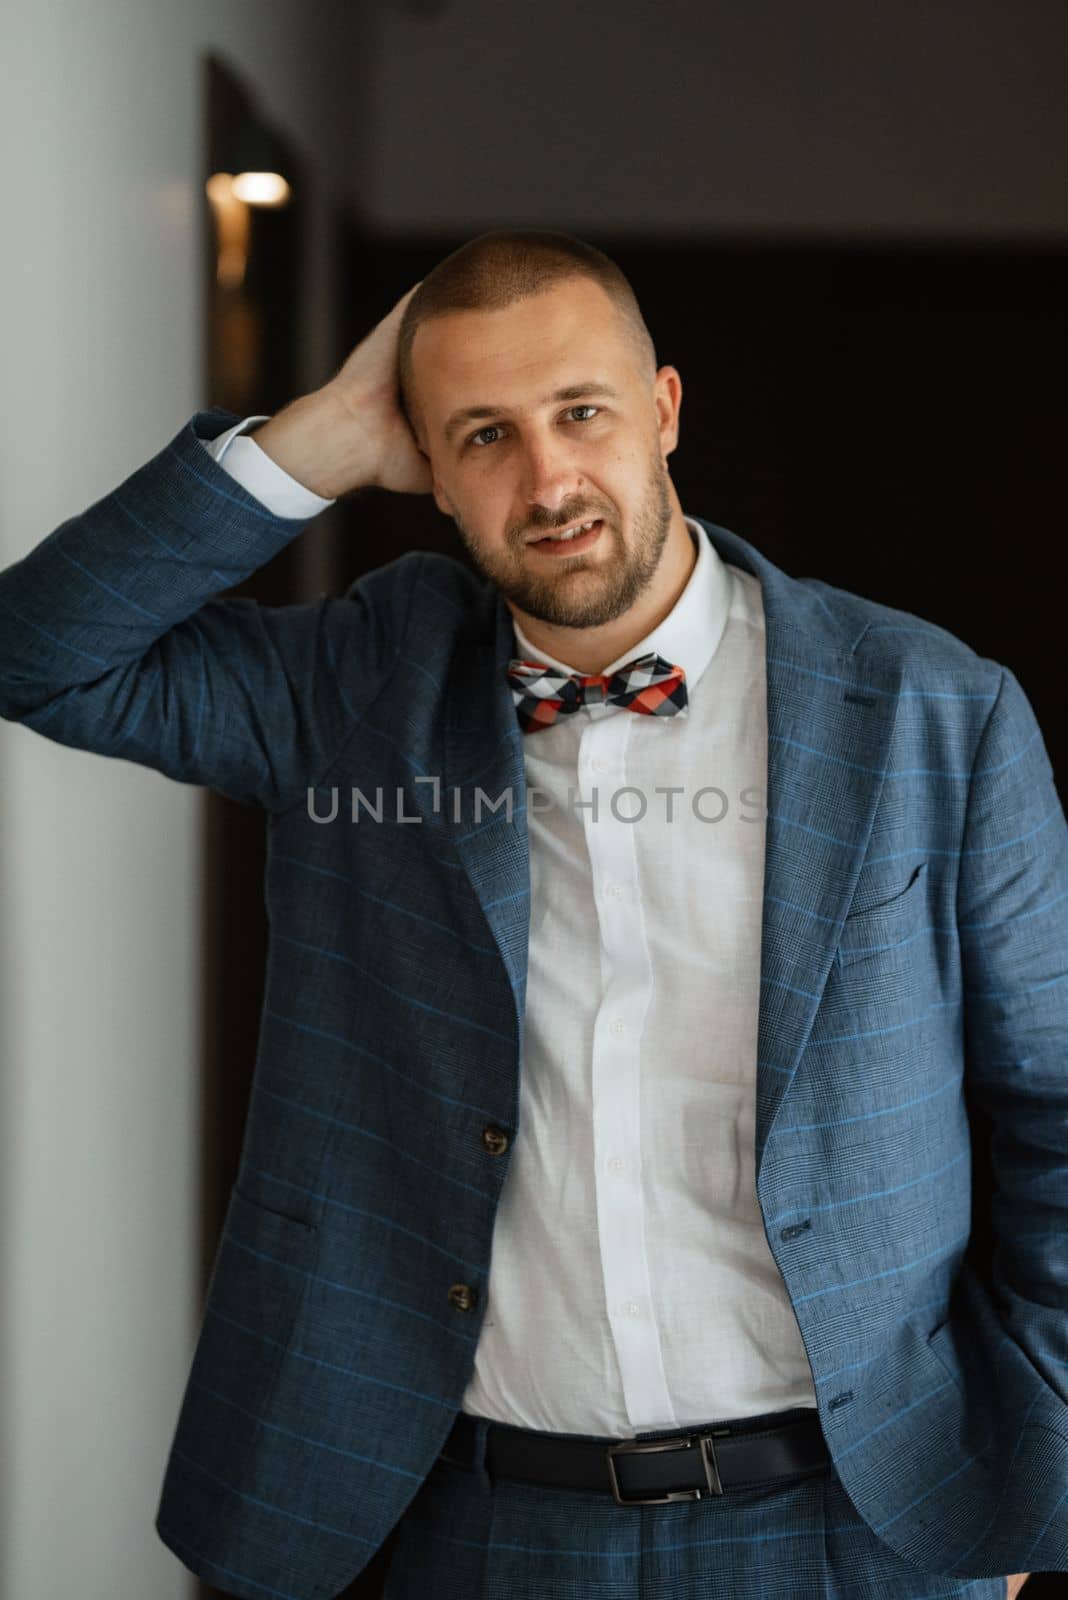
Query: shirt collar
(689, 635)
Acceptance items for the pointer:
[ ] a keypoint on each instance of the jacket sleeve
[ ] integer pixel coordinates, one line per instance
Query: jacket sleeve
(114, 637)
(1012, 915)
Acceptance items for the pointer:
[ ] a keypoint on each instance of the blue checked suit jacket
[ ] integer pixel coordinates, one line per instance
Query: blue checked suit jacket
(915, 925)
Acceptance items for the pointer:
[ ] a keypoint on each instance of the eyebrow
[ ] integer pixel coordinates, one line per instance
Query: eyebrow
(574, 391)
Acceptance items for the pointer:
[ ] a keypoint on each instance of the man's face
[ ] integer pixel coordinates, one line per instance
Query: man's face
(530, 463)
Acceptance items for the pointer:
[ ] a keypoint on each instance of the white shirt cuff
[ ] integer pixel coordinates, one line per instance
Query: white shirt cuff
(254, 470)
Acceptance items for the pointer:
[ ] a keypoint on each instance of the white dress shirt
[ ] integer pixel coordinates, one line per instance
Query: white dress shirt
(262, 477)
(631, 1283)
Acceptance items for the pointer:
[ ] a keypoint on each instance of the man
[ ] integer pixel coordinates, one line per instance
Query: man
(641, 918)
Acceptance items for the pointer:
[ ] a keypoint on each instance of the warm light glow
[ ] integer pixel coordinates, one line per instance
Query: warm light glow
(261, 188)
(219, 187)
(231, 230)
(230, 198)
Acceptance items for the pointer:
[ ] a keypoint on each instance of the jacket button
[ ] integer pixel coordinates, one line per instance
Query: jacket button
(494, 1139)
(462, 1296)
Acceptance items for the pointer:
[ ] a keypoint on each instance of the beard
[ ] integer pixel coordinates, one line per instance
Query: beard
(589, 590)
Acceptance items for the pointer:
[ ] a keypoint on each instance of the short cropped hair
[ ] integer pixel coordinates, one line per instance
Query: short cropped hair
(498, 268)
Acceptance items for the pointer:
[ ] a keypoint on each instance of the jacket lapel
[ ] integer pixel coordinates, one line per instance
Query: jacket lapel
(484, 756)
(830, 720)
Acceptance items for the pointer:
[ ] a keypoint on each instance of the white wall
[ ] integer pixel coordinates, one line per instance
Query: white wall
(856, 117)
(101, 297)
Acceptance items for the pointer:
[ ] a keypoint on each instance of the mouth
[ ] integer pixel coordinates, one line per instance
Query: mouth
(570, 540)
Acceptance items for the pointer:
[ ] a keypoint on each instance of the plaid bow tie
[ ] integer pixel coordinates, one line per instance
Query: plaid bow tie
(648, 684)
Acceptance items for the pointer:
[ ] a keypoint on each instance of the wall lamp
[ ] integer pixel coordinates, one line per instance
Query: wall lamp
(256, 179)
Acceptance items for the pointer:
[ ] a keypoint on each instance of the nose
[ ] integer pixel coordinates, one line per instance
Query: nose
(551, 478)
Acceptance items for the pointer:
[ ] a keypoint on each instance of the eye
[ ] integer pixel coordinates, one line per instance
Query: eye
(495, 426)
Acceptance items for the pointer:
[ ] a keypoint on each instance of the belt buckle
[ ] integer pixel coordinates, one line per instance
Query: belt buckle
(682, 1440)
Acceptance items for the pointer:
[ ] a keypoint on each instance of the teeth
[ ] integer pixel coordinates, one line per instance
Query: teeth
(584, 528)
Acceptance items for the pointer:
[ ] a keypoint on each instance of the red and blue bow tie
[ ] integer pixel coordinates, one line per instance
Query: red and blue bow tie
(648, 684)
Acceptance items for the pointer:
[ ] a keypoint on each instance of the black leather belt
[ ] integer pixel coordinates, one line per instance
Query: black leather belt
(686, 1465)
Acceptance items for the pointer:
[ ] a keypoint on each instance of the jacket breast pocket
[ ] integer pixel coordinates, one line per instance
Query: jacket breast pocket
(887, 928)
(942, 1345)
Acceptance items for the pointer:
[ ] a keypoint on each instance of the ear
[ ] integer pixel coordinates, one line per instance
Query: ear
(668, 398)
(416, 430)
(441, 499)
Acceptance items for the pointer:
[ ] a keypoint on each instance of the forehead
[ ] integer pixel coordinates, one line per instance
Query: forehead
(507, 357)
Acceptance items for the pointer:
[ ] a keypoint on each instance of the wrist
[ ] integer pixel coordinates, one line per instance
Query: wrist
(320, 443)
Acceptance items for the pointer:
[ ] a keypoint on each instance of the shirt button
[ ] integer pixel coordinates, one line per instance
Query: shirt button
(631, 1308)
(462, 1296)
(615, 1164)
(618, 1025)
(615, 890)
